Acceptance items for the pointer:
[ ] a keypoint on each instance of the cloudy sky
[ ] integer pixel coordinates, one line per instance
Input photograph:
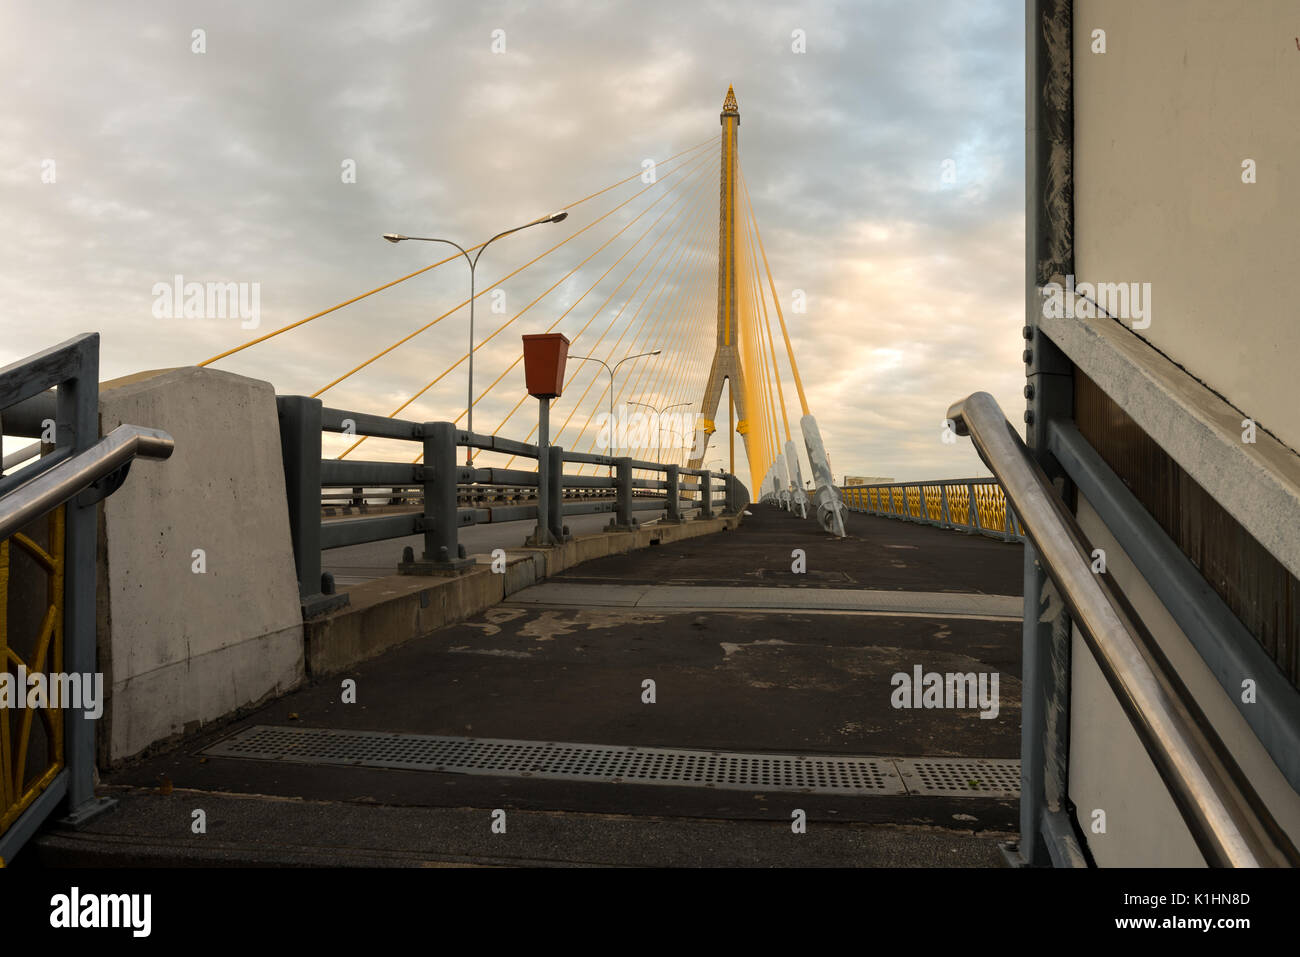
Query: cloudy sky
(228, 165)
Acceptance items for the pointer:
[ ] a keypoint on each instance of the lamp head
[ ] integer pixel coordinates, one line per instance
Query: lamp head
(394, 237)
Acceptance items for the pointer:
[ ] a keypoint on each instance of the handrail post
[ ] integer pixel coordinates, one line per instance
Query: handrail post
(974, 515)
(441, 520)
(706, 494)
(622, 520)
(674, 494)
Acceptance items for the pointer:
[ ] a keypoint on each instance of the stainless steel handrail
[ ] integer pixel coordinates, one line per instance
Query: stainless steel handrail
(52, 488)
(1227, 820)
(21, 456)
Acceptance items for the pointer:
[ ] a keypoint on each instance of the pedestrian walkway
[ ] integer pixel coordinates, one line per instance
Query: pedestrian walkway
(700, 692)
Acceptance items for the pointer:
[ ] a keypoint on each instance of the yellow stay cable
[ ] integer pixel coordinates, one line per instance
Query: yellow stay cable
(769, 360)
(669, 228)
(767, 323)
(794, 366)
(512, 319)
(649, 229)
(691, 357)
(666, 378)
(490, 286)
(667, 248)
(628, 387)
(644, 325)
(387, 285)
(676, 249)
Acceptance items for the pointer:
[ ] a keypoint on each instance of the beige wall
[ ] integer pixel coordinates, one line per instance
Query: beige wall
(1109, 768)
(1187, 90)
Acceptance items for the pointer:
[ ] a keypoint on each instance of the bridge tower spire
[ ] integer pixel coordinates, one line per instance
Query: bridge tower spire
(726, 358)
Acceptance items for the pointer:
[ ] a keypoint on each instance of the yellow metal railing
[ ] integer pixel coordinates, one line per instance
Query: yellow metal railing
(24, 774)
(945, 503)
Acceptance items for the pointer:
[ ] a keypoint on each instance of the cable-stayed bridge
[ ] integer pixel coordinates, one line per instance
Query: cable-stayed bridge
(465, 612)
(682, 311)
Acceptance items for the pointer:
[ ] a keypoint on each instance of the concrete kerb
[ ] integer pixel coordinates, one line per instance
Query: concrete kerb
(390, 611)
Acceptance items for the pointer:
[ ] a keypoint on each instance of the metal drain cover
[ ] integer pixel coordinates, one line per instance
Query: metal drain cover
(558, 761)
(978, 777)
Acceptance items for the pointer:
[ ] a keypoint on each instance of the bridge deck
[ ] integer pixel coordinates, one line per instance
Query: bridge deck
(565, 662)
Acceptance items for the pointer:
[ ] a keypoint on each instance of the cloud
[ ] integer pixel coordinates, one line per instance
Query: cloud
(225, 166)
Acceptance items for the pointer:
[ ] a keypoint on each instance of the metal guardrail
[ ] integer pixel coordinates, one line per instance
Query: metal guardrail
(486, 495)
(54, 394)
(1227, 819)
(943, 504)
(443, 482)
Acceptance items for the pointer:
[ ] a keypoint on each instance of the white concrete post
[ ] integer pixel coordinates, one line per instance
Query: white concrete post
(830, 510)
(796, 476)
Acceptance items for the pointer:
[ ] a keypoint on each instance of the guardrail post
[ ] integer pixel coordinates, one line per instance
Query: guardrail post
(674, 494)
(706, 495)
(731, 507)
(974, 509)
(623, 520)
(300, 447)
(441, 520)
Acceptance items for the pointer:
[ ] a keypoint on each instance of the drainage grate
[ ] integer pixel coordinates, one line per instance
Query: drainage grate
(612, 764)
(958, 776)
(566, 762)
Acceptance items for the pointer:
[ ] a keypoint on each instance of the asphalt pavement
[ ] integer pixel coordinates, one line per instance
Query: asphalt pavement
(789, 643)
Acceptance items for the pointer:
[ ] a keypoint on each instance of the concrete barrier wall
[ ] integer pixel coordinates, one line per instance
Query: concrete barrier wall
(180, 643)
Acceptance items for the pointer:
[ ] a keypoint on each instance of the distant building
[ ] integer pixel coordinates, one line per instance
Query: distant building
(867, 480)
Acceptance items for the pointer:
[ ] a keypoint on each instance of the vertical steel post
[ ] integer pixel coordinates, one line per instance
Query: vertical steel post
(555, 489)
(706, 495)
(674, 494)
(542, 535)
(1049, 391)
(441, 520)
(623, 492)
(300, 447)
(77, 424)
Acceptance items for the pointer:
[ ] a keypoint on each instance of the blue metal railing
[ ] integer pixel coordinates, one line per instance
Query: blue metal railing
(443, 485)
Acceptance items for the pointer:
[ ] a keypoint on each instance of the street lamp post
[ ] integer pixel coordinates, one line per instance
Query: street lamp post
(609, 445)
(659, 417)
(473, 265)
